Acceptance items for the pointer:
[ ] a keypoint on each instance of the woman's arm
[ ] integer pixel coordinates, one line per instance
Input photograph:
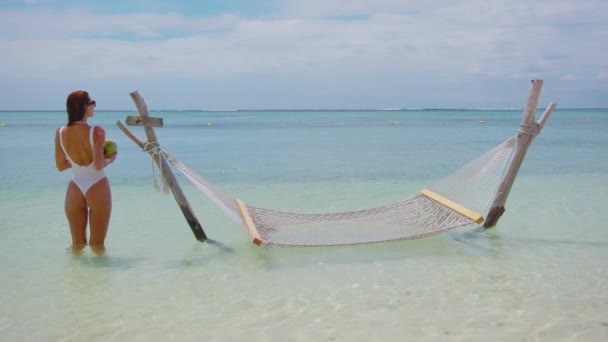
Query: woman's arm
(61, 161)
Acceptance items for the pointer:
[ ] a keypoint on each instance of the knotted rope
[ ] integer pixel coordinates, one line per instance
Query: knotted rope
(153, 148)
(533, 129)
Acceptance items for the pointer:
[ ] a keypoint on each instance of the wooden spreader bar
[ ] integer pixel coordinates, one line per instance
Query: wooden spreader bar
(253, 232)
(477, 218)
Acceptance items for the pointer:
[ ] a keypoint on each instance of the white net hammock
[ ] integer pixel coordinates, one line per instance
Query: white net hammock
(452, 202)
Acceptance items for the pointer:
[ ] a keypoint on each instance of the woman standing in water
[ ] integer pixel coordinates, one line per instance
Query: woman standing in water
(88, 198)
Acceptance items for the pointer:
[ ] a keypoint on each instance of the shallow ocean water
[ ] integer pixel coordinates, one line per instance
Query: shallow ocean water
(541, 274)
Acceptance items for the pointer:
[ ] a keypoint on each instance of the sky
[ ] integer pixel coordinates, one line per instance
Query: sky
(303, 54)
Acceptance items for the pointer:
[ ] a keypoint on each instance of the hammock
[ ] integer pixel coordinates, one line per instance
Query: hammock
(452, 202)
(482, 186)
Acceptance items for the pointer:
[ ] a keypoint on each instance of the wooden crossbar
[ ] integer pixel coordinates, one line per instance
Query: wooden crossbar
(452, 205)
(256, 239)
(142, 121)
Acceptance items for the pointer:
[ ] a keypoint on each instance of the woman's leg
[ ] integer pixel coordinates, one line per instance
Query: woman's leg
(76, 212)
(99, 200)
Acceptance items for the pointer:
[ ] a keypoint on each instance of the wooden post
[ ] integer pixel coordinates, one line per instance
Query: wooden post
(160, 160)
(527, 132)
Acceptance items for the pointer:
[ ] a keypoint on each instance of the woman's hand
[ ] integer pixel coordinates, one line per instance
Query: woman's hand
(110, 159)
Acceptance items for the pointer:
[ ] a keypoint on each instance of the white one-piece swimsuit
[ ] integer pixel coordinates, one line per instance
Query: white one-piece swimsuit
(84, 176)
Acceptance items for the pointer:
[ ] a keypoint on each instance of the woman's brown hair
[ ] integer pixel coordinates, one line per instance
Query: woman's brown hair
(76, 105)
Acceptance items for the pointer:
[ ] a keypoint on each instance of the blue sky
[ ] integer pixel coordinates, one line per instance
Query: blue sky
(269, 54)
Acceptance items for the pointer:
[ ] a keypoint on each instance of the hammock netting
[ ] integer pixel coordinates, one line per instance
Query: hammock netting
(472, 187)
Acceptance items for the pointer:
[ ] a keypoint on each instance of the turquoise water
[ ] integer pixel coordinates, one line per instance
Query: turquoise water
(542, 274)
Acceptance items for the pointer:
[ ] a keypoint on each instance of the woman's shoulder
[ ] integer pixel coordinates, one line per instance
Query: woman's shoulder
(98, 132)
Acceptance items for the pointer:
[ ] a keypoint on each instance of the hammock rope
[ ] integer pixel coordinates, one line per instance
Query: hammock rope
(471, 188)
(153, 148)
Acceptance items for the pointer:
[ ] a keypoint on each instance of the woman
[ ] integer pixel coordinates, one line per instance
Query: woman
(88, 197)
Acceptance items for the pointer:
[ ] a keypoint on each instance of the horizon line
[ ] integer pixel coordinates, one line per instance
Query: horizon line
(304, 110)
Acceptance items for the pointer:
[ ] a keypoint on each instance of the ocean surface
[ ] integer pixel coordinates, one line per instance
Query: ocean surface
(540, 275)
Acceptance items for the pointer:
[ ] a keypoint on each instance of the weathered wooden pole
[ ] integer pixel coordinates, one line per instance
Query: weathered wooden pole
(160, 160)
(527, 132)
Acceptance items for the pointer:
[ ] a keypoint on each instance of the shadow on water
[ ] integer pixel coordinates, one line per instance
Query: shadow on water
(497, 242)
(481, 241)
(203, 253)
(454, 244)
(222, 246)
(277, 258)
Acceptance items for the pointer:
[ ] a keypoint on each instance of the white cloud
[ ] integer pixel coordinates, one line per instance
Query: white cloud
(42, 25)
(383, 41)
(318, 39)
